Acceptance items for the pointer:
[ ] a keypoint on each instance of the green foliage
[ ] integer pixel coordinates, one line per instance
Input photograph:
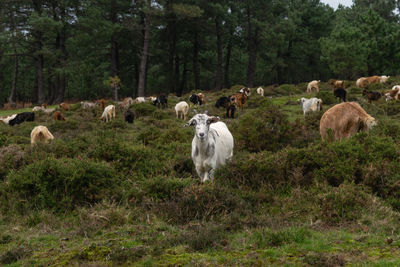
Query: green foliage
(327, 97)
(62, 184)
(263, 129)
(266, 238)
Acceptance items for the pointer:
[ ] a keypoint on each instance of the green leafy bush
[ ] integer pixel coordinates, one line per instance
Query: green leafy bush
(62, 184)
(327, 97)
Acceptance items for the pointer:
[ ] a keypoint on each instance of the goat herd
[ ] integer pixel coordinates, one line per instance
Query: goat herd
(212, 144)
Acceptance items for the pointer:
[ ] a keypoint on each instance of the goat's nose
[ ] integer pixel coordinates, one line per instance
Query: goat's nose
(201, 134)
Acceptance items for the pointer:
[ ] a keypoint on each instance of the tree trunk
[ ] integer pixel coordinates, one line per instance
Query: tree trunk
(218, 77)
(62, 61)
(143, 60)
(177, 75)
(196, 69)
(252, 50)
(37, 4)
(13, 95)
(183, 84)
(114, 48)
(171, 54)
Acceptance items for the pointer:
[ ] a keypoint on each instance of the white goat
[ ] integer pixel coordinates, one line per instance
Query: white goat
(108, 113)
(41, 134)
(7, 119)
(260, 91)
(140, 99)
(212, 144)
(87, 105)
(182, 107)
(310, 105)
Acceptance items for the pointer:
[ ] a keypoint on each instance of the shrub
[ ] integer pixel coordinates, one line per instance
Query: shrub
(61, 184)
(144, 109)
(202, 202)
(163, 188)
(327, 97)
(15, 254)
(11, 158)
(200, 237)
(342, 204)
(266, 237)
(263, 129)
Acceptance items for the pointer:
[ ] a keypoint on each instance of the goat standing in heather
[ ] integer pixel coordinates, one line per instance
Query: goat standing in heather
(212, 145)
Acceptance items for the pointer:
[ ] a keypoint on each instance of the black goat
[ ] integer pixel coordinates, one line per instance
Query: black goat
(161, 101)
(129, 116)
(195, 99)
(21, 117)
(222, 102)
(340, 93)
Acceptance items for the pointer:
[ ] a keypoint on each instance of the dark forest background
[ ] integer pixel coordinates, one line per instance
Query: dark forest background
(73, 49)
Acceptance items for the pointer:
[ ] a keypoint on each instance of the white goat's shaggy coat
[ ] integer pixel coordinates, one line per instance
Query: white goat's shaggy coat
(183, 108)
(140, 99)
(108, 113)
(6, 120)
(212, 145)
(87, 105)
(313, 86)
(260, 91)
(310, 105)
(41, 134)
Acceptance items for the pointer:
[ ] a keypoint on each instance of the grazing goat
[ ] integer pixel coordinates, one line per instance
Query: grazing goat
(245, 90)
(108, 113)
(392, 94)
(223, 101)
(195, 99)
(239, 99)
(102, 103)
(230, 107)
(260, 91)
(182, 107)
(230, 111)
(361, 82)
(41, 134)
(7, 119)
(336, 83)
(58, 116)
(127, 102)
(345, 120)
(313, 86)
(202, 98)
(49, 110)
(212, 145)
(372, 96)
(310, 105)
(65, 106)
(129, 116)
(88, 105)
(383, 78)
(161, 101)
(152, 98)
(140, 99)
(340, 93)
(21, 117)
(37, 108)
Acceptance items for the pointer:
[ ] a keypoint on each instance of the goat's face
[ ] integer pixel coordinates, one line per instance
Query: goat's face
(201, 124)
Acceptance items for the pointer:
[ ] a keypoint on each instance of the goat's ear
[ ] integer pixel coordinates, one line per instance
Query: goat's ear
(212, 120)
(206, 112)
(192, 122)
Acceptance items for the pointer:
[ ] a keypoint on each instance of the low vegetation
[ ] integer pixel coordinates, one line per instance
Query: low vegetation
(127, 194)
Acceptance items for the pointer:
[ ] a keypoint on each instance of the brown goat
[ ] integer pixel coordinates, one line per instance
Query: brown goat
(345, 120)
(239, 99)
(371, 96)
(65, 106)
(58, 116)
(102, 103)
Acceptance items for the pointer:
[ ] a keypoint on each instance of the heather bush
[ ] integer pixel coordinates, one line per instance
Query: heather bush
(327, 97)
(62, 184)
